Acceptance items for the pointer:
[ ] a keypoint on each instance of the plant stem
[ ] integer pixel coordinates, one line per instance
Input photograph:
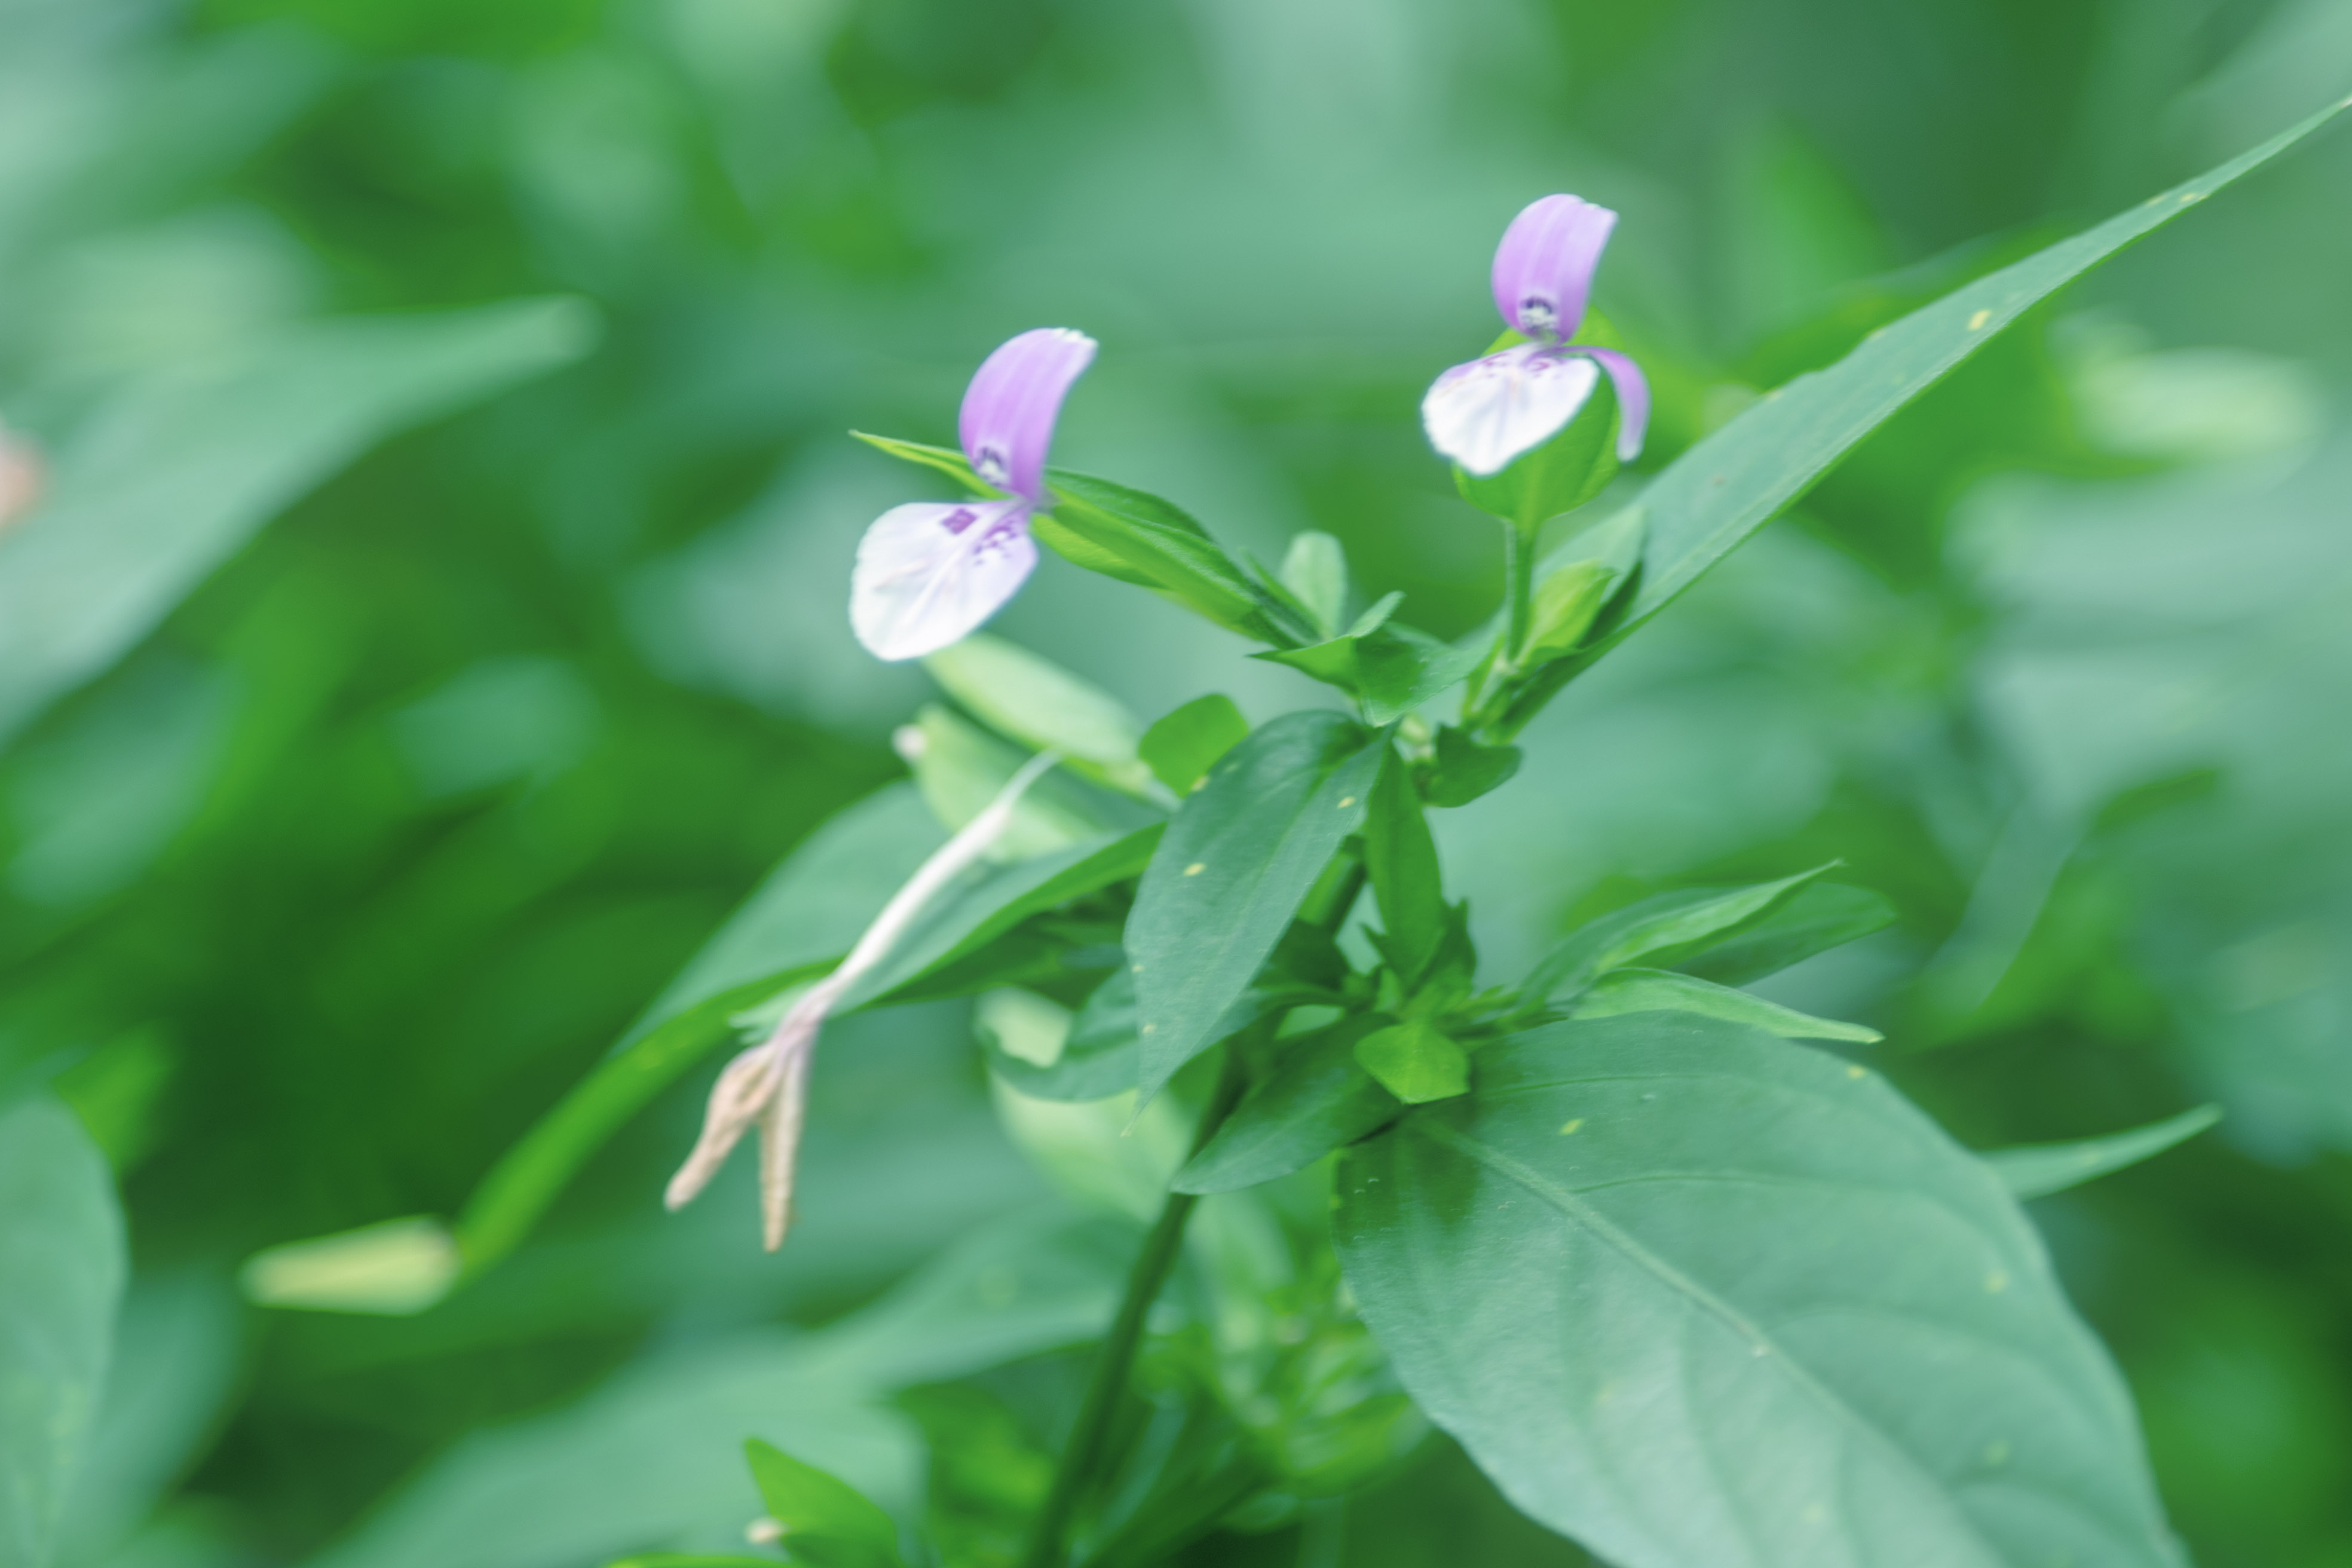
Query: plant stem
(1518, 587)
(1049, 1536)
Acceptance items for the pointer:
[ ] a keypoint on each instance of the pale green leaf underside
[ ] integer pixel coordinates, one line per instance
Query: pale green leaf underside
(1729, 485)
(61, 1268)
(2037, 1169)
(1700, 1297)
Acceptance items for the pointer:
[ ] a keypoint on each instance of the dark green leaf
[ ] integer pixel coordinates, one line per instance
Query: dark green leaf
(1140, 538)
(827, 1522)
(169, 479)
(1317, 1098)
(1696, 1296)
(1663, 929)
(1621, 991)
(1238, 860)
(940, 460)
(61, 1269)
(2037, 1169)
(1182, 747)
(1401, 859)
(1392, 668)
(1820, 916)
(1415, 1062)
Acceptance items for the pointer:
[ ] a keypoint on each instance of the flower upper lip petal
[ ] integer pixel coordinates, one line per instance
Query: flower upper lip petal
(1013, 400)
(1543, 269)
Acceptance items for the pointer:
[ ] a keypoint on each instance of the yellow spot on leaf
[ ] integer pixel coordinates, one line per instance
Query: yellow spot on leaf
(1146, 1028)
(2188, 196)
(1200, 784)
(1572, 1126)
(1196, 868)
(1977, 321)
(1816, 1514)
(1996, 1282)
(1996, 1452)
(1856, 1072)
(1350, 801)
(1135, 968)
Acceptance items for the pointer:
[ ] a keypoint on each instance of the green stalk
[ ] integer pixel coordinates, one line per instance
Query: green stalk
(1518, 587)
(1049, 1538)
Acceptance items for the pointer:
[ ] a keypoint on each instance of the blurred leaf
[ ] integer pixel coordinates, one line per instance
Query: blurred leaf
(1184, 744)
(1415, 1062)
(960, 768)
(827, 1522)
(1621, 991)
(2037, 1169)
(1141, 539)
(1043, 706)
(1236, 864)
(395, 1266)
(1665, 930)
(1820, 916)
(1315, 570)
(1738, 480)
(1692, 1295)
(1464, 770)
(1106, 1154)
(1091, 1055)
(1317, 1098)
(167, 480)
(61, 1269)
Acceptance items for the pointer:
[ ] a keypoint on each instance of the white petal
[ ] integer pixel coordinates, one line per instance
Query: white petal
(1484, 414)
(929, 573)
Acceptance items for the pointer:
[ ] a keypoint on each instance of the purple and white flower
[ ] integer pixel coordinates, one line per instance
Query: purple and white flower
(931, 573)
(1489, 413)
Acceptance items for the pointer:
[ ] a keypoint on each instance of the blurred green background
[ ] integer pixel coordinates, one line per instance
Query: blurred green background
(434, 624)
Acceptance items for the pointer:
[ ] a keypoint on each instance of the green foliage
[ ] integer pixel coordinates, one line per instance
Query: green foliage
(1238, 860)
(1557, 477)
(1621, 991)
(2044, 1168)
(1415, 1062)
(61, 1268)
(827, 1522)
(1316, 1098)
(1185, 745)
(1664, 930)
(1668, 1191)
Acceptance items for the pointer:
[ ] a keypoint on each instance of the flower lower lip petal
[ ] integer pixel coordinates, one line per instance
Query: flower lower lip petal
(929, 573)
(1484, 414)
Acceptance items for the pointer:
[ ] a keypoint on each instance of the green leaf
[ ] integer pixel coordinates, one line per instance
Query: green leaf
(673, 1560)
(1317, 1098)
(1735, 480)
(61, 1268)
(1092, 1057)
(1664, 930)
(1401, 859)
(1820, 916)
(1315, 570)
(1391, 668)
(960, 768)
(170, 477)
(1464, 770)
(940, 460)
(1622, 991)
(1694, 1296)
(1558, 475)
(1182, 747)
(1414, 1062)
(1043, 706)
(1139, 538)
(1238, 860)
(2037, 1169)
(827, 1522)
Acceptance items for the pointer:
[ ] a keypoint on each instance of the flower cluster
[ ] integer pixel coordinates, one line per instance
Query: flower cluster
(931, 573)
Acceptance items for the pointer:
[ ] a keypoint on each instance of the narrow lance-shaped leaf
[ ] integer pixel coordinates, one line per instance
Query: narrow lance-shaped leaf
(1696, 1296)
(1660, 929)
(1237, 861)
(1735, 480)
(1317, 1098)
(1622, 991)
(2037, 1169)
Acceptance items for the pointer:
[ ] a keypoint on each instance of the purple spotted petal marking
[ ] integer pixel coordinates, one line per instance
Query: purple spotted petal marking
(1010, 408)
(929, 573)
(1488, 414)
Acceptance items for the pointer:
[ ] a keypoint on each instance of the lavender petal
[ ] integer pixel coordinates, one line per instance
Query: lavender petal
(1484, 414)
(931, 573)
(1543, 269)
(1010, 408)
(1633, 400)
